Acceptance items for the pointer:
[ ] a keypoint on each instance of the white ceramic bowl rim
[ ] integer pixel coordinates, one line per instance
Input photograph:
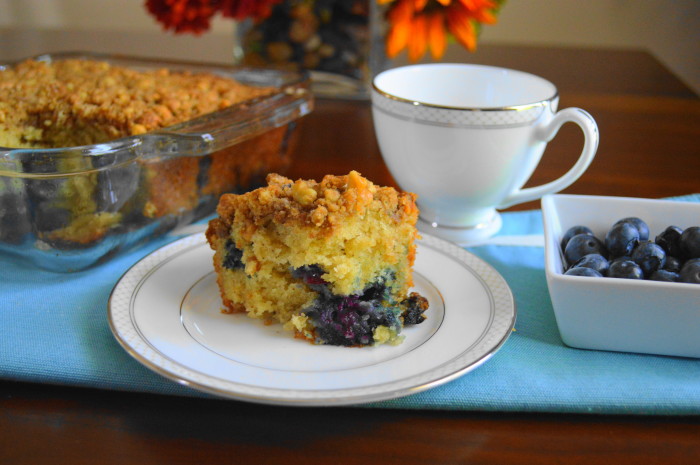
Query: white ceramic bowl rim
(466, 87)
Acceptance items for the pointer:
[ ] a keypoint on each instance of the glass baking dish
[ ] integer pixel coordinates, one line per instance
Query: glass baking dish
(67, 209)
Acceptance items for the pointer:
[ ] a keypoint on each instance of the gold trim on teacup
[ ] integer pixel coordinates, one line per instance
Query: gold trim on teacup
(436, 115)
(523, 107)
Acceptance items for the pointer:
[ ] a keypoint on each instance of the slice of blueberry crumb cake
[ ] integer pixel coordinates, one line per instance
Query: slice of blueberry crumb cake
(331, 260)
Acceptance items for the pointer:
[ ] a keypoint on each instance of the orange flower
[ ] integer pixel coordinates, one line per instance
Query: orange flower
(419, 25)
(437, 35)
(400, 17)
(418, 39)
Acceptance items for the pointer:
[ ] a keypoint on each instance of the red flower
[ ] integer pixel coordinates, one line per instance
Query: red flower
(195, 15)
(242, 9)
(184, 15)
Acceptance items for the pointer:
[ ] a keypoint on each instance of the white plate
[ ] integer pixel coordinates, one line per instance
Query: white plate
(166, 312)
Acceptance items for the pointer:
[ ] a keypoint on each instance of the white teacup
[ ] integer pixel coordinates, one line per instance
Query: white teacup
(466, 138)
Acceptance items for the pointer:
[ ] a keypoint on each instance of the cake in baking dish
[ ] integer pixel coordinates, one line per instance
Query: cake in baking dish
(73, 102)
(82, 102)
(331, 260)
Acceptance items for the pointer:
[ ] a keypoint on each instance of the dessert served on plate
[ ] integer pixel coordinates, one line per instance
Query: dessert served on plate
(331, 260)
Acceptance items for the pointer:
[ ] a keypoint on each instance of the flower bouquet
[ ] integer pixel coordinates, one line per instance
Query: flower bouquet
(334, 36)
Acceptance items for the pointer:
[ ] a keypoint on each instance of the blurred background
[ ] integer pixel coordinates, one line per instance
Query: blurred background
(668, 29)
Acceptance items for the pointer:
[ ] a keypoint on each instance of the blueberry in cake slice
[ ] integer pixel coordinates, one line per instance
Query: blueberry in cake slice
(331, 260)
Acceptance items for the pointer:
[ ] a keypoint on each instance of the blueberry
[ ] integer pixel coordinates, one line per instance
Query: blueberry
(42, 195)
(649, 256)
(621, 259)
(672, 264)
(621, 239)
(233, 258)
(669, 240)
(374, 292)
(583, 271)
(14, 215)
(415, 306)
(690, 273)
(378, 290)
(47, 216)
(638, 223)
(581, 245)
(311, 275)
(593, 261)
(571, 232)
(690, 242)
(664, 275)
(626, 269)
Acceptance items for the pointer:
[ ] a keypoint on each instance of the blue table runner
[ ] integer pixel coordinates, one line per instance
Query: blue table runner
(54, 330)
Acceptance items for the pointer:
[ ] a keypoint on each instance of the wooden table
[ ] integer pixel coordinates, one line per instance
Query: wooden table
(650, 147)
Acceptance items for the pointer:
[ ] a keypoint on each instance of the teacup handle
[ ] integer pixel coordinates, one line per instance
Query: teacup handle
(546, 133)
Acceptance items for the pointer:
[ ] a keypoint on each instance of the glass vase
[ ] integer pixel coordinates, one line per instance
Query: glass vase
(332, 39)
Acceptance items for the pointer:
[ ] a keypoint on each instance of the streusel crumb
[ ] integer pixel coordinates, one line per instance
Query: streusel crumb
(80, 102)
(320, 204)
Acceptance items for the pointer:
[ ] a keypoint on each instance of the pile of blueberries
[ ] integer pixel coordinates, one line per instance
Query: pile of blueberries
(627, 252)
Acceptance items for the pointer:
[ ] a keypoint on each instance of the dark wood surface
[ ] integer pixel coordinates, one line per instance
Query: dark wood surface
(47, 425)
(650, 147)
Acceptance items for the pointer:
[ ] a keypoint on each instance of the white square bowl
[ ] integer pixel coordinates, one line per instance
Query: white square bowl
(620, 314)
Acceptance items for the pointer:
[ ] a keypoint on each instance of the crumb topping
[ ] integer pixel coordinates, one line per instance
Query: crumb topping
(43, 99)
(320, 205)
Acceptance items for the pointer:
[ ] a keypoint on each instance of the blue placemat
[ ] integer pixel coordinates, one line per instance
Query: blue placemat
(54, 329)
